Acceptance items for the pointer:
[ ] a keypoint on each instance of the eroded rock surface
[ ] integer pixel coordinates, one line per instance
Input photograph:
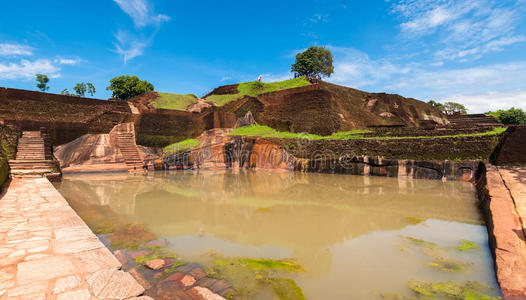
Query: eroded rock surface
(99, 152)
(502, 195)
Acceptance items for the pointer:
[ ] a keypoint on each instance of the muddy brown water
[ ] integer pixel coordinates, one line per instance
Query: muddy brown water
(356, 237)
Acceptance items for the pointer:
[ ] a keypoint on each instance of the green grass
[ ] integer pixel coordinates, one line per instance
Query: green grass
(181, 146)
(267, 132)
(174, 101)
(255, 88)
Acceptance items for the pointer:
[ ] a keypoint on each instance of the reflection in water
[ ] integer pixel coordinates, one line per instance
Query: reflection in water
(345, 230)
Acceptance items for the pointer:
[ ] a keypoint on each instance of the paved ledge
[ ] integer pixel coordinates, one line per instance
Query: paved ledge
(48, 252)
(503, 195)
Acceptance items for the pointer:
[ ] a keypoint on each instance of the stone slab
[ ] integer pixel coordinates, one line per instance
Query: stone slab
(48, 252)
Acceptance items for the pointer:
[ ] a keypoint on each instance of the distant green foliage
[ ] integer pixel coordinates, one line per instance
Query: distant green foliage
(265, 131)
(453, 108)
(449, 108)
(510, 116)
(181, 146)
(42, 81)
(91, 88)
(66, 92)
(80, 89)
(174, 101)
(313, 61)
(126, 86)
(255, 88)
(437, 105)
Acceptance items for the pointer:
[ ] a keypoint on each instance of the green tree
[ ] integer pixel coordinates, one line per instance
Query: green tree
(80, 89)
(313, 61)
(126, 86)
(437, 105)
(91, 88)
(453, 108)
(65, 92)
(510, 116)
(42, 81)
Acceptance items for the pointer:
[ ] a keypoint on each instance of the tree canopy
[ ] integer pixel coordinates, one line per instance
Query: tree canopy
(449, 108)
(80, 89)
(126, 86)
(453, 108)
(42, 81)
(510, 116)
(313, 61)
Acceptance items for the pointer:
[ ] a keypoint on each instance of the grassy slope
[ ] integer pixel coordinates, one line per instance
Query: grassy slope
(255, 88)
(174, 101)
(181, 146)
(265, 131)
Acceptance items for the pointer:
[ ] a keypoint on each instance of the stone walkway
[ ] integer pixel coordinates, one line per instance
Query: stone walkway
(48, 252)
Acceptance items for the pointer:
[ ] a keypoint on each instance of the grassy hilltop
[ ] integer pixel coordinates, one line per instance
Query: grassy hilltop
(253, 88)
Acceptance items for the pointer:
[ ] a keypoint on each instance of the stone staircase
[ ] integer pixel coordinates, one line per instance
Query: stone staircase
(33, 156)
(125, 140)
(475, 120)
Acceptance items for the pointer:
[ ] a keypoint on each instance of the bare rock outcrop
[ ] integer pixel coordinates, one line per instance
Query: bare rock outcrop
(100, 152)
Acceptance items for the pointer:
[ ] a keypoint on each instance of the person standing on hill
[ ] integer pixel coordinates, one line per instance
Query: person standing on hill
(260, 77)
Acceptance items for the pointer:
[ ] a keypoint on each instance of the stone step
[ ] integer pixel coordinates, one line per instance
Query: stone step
(30, 172)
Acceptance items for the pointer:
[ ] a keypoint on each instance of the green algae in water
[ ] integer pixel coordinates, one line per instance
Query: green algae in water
(129, 236)
(251, 276)
(449, 265)
(471, 290)
(156, 253)
(287, 289)
(466, 245)
(414, 220)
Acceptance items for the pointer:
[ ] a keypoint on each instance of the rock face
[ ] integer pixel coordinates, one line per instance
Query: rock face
(199, 107)
(512, 150)
(504, 202)
(218, 150)
(246, 120)
(327, 108)
(98, 152)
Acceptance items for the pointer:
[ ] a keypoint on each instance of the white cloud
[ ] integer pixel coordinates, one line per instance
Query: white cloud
(491, 101)
(26, 69)
(15, 50)
(67, 61)
(355, 68)
(129, 45)
(464, 30)
(141, 12)
(132, 44)
(481, 88)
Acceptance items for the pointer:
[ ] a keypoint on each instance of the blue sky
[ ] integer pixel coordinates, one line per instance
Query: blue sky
(469, 51)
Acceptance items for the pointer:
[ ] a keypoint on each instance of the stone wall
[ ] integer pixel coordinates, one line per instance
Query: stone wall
(455, 149)
(65, 117)
(164, 127)
(218, 150)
